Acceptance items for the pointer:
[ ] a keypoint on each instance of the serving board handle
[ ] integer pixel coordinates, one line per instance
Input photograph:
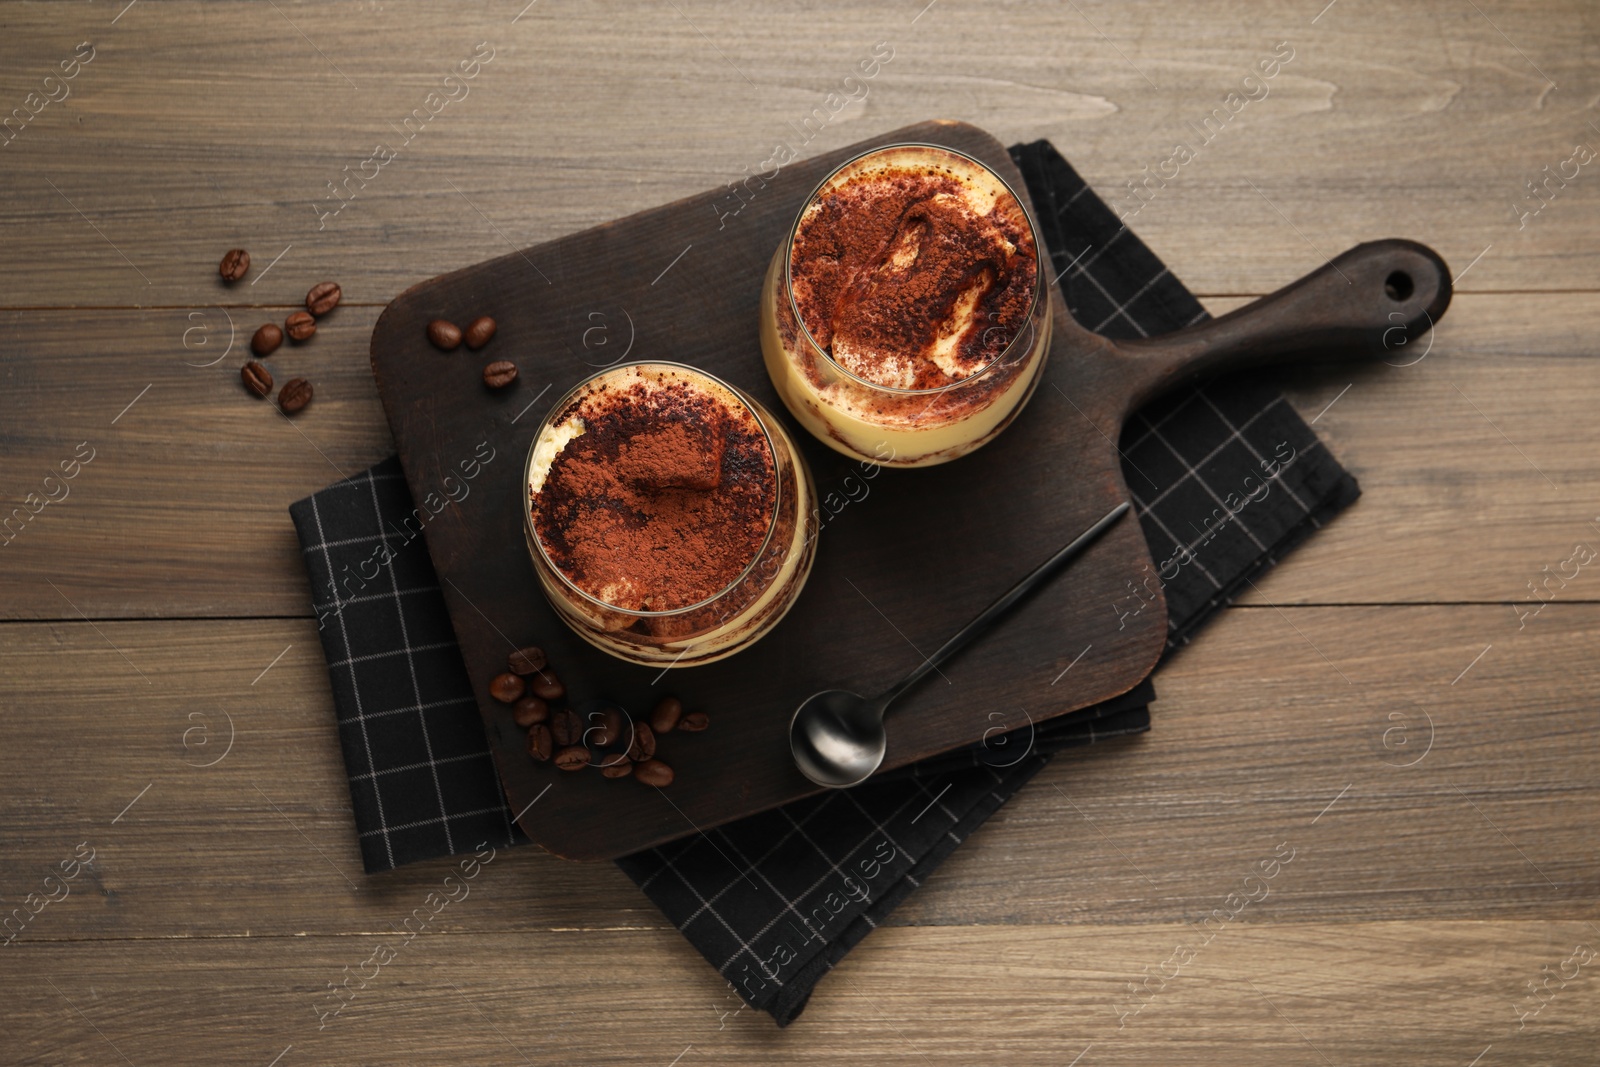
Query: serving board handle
(1369, 302)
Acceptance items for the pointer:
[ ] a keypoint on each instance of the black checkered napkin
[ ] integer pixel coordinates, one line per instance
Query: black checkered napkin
(775, 900)
(422, 782)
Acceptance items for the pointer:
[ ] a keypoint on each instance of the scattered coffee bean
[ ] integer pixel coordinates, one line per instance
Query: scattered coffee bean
(546, 686)
(566, 727)
(266, 340)
(323, 298)
(573, 758)
(526, 660)
(257, 378)
(694, 722)
(235, 264)
(611, 759)
(300, 326)
(499, 374)
(480, 331)
(295, 394)
(540, 742)
(653, 772)
(507, 688)
(666, 715)
(444, 335)
(618, 726)
(617, 770)
(644, 743)
(606, 728)
(530, 710)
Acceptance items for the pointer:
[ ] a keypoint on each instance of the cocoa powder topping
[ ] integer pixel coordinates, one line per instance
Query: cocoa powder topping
(904, 283)
(663, 499)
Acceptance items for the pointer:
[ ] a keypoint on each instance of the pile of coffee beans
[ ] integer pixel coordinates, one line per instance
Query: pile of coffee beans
(607, 737)
(299, 327)
(446, 336)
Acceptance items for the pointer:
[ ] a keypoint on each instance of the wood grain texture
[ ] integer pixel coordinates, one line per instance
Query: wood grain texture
(1418, 905)
(193, 480)
(1431, 993)
(1255, 734)
(1456, 513)
(1387, 122)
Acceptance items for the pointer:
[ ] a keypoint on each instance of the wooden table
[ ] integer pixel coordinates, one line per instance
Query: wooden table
(1379, 708)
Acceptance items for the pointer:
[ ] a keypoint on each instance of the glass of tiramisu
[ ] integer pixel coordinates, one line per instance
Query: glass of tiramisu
(906, 318)
(669, 515)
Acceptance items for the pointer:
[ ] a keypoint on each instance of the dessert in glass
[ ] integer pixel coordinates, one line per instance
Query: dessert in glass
(906, 319)
(669, 516)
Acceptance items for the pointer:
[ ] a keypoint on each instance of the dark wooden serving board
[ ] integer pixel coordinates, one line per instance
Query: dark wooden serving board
(905, 557)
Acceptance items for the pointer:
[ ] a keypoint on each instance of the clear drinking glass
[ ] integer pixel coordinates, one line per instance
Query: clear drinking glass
(727, 619)
(910, 424)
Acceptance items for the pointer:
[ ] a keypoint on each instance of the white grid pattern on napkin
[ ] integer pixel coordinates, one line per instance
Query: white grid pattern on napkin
(387, 789)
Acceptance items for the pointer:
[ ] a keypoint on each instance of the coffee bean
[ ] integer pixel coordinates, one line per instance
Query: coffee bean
(323, 298)
(606, 728)
(694, 722)
(666, 715)
(546, 686)
(566, 727)
(617, 770)
(507, 688)
(235, 264)
(300, 326)
(611, 759)
(444, 335)
(295, 394)
(530, 710)
(480, 331)
(526, 660)
(644, 743)
(653, 772)
(573, 758)
(539, 742)
(257, 378)
(266, 340)
(499, 374)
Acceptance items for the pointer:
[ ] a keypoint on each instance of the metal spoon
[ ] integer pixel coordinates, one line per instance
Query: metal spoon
(837, 736)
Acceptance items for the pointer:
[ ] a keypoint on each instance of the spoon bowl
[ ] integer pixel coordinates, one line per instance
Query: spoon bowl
(838, 737)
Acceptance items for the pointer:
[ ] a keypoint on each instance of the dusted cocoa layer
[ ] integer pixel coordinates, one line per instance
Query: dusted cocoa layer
(914, 271)
(653, 489)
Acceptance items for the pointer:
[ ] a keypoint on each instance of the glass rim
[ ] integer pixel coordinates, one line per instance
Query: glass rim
(1040, 291)
(772, 523)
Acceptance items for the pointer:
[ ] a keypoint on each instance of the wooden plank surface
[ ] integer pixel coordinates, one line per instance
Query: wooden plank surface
(1389, 121)
(1429, 884)
(1427, 993)
(1460, 512)
(1255, 734)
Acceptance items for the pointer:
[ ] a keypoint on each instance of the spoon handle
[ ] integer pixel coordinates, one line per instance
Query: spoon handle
(989, 614)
